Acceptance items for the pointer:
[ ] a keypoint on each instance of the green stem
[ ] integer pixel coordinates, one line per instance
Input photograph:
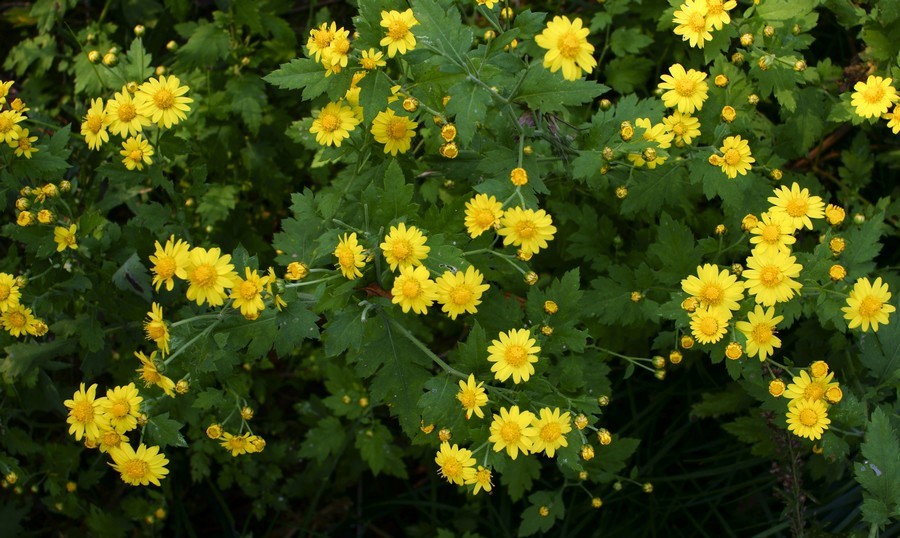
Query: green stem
(311, 282)
(190, 342)
(194, 318)
(419, 344)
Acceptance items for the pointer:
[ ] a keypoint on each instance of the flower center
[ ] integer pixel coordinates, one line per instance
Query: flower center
(685, 87)
(762, 334)
(16, 319)
(164, 99)
(397, 30)
(119, 409)
(135, 469)
(551, 432)
(136, 155)
(814, 391)
(204, 276)
(796, 207)
(569, 45)
(467, 399)
(323, 38)
(451, 468)
(4, 292)
(345, 257)
(484, 218)
(150, 375)
(368, 63)
(461, 295)
(709, 326)
(110, 439)
(771, 233)
(714, 7)
(330, 122)
(94, 123)
(411, 288)
(397, 129)
(5, 124)
(770, 276)
(248, 290)
(341, 47)
(510, 432)
(712, 294)
(156, 331)
(526, 229)
(483, 476)
(24, 143)
(236, 443)
(873, 94)
(126, 112)
(401, 249)
(678, 129)
(165, 267)
(808, 417)
(732, 157)
(83, 411)
(515, 355)
(697, 22)
(869, 306)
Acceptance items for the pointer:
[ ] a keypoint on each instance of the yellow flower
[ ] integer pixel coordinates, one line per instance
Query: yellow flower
(456, 464)
(692, 23)
(23, 144)
(123, 115)
(334, 124)
(652, 133)
(512, 431)
(526, 229)
(150, 374)
(805, 387)
(296, 271)
(818, 369)
(247, 293)
(482, 480)
(550, 431)
(807, 418)
(483, 212)
(94, 125)
(110, 439)
(404, 247)
(687, 90)
(170, 262)
(162, 100)
(319, 40)
(8, 121)
(736, 158)
(209, 273)
(136, 151)
(714, 289)
(873, 97)
(65, 238)
(414, 290)
(567, 47)
(893, 118)
(121, 407)
(395, 132)
(84, 412)
(460, 291)
(9, 292)
(834, 214)
(772, 234)
(472, 397)
(760, 331)
(513, 355)
(18, 320)
(398, 37)
(156, 328)
(338, 51)
(868, 305)
(350, 257)
(372, 59)
(709, 326)
(798, 205)
(490, 5)
(683, 127)
(717, 12)
(4, 90)
(770, 277)
(237, 444)
(139, 468)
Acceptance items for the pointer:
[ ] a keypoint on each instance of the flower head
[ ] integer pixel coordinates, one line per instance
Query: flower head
(798, 205)
(209, 273)
(717, 12)
(687, 90)
(527, 229)
(693, 24)
(550, 429)
(334, 124)
(736, 158)
(349, 256)
(868, 305)
(808, 418)
(121, 407)
(404, 247)
(395, 132)
(511, 431)
(247, 293)
(319, 40)
(772, 234)
(652, 133)
(123, 115)
(683, 127)
(18, 320)
(372, 59)
(873, 97)
(151, 375)
(169, 262)
(23, 144)
(162, 100)
(139, 468)
(94, 125)
(567, 47)
(9, 292)
(715, 289)
(770, 277)
(136, 152)
(65, 237)
(156, 328)
(481, 480)
(483, 212)
(472, 397)
(709, 326)
(84, 413)
(237, 444)
(456, 464)
(806, 387)
(460, 291)
(760, 331)
(514, 354)
(398, 37)
(893, 118)
(414, 290)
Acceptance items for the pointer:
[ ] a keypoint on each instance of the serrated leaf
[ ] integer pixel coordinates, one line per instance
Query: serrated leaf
(324, 440)
(550, 92)
(440, 27)
(879, 473)
(207, 45)
(163, 431)
(468, 105)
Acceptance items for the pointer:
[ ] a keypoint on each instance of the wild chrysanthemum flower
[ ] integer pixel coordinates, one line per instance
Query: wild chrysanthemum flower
(567, 47)
(209, 273)
(23, 144)
(151, 375)
(687, 90)
(121, 407)
(456, 464)
(868, 305)
(156, 328)
(5, 86)
(483, 212)
(349, 256)
(414, 290)
(807, 418)
(94, 125)
(527, 229)
(692, 23)
(136, 152)
(511, 431)
(717, 12)
(683, 127)
(460, 291)
(760, 329)
(873, 97)
(372, 59)
(236, 444)
(550, 429)
(18, 320)
(247, 293)
(736, 158)
(170, 262)
(806, 387)
(472, 397)
(772, 234)
(716, 290)
(395, 132)
(398, 37)
(514, 354)
(798, 205)
(482, 480)
(319, 39)
(652, 133)
(123, 115)
(338, 51)
(9, 292)
(84, 413)
(893, 118)
(404, 247)
(110, 439)
(770, 277)
(139, 468)
(65, 238)
(709, 326)
(334, 124)
(162, 100)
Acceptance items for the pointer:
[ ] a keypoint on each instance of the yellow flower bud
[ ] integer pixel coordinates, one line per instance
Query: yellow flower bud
(728, 114)
(547, 330)
(110, 59)
(660, 375)
(448, 132)
(603, 400)
(626, 131)
(518, 177)
(734, 351)
(551, 307)
(426, 429)
(753, 99)
(737, 58)
(834, 394)
(621, 192)
(776, 174)
(531, 278)
(659, 362)
(527, 150)
(715, 160)
(11, 478)
(506, 13)
(65, 185)
(581, 421)
(800, 66)
(647, 487)
(160, 513)
(247, 413)
(720, 229)
(214, 431)
(139, 30)
(837, 245)
(489, 34)
(524, 256)
(746, 40)
(776, 387)
(636, 297)
(94, 56)
(837, 272)
(605, 104)
(834, 214)
(444, 435)
(544, 511)
(818, 369)
(410, 104)
(171, 46)
(25, 218)
(363, 402)
(676, 356)
(604, 436)
(596, 502)
(182, 387)
(737, 269)
(769, 30)
(296, 271)
(71, 487)
(449, 150)
(690, 304)
(587, 452)
(160, 70)
(721, 81)
(749, 222)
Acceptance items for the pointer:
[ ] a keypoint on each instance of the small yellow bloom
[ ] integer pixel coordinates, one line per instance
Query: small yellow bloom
(65, 238)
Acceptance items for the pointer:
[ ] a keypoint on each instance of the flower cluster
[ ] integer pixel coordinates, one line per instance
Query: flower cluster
(236, 444)
(17, 319)
(695, 20)
(810, 395)
(12, 113)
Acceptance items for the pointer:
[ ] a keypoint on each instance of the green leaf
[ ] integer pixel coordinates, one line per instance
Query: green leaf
(294, 324)
(375, 89)
(132, 276)
(550, 92)
(207, 45)
(627, 74)
(217, 203)
(518, 475)
(532, 519)
(674, 249)
(439, 404)
(624, 41)
(880, 352)
(344, 331)
(396, 195)
(323, 441)
(378, 449)
(248, 97)
(879, 473)
(468, 105)
(732, 400)
(301, 74)
(441, 28)
(163, 431)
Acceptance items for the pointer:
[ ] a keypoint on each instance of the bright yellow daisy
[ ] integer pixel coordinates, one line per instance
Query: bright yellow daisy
(121, 407)
(511, 431)
(770, 277)
(715, 289)
(692, 23)
(151, 375)
(736, 158)
(550, 429)
(209, 273)
(65, 237)
(460, 291)
(652, 133)
(372, 59)
(798, 205)
(136, 152)
(170, 262)
(139, 468)
(398, 38)
(893, 118)
(123, 115)
(237, 444)
(404, 247)
(247, 293)
(514, 354)
(414, 290)
(483, 212)
(717, 12)
(873, 97)
(482, 480)
(110, 439)
(94, 125)
(18, 320)
(84, 413)
(456, 464)
(868, 305)
(8, 121)
(808, 418)
(687, 90)
(772, 233)
(567, 47)
(156, 328)
(9, 292)
(760, 329)
(319, 40)
(472, 397)
(334, 124)
(338, 51)
(527, 229)
(350, 258)
(162, 100)
(683, 127)
(395, 132)
(708, 325)
(806, 387)
(23, 144)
